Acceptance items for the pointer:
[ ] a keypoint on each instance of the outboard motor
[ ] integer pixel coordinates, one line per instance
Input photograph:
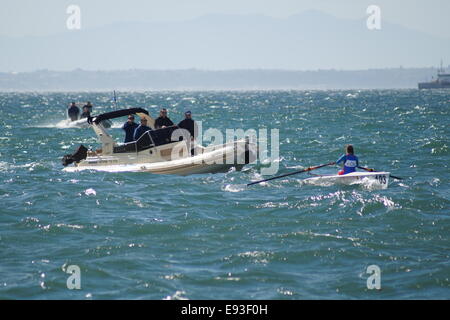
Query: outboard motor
(250, 152)
(80, 154)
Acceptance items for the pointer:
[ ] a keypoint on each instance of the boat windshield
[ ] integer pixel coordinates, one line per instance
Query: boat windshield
(163, 136)
(144, 142)
(148, 140)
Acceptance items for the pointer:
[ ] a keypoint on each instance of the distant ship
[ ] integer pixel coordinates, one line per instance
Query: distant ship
(442, 81)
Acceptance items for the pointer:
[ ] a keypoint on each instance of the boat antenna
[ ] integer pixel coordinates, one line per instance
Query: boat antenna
(115, 99)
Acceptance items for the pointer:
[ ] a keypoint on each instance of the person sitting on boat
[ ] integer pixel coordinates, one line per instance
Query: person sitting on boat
(86, 113)
(73, 111)
(349, 160)
(189, 124)
(89, 106)
(163, 120)
(141, 129)
(129, 127)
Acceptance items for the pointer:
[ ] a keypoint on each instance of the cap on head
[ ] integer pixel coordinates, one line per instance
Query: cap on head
(188, 113)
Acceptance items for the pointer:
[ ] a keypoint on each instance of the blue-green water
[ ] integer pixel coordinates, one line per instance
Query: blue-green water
(144, 236)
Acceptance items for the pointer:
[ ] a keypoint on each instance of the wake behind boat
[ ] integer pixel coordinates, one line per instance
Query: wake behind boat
(372, 179)
(157, 151)
(80, 123)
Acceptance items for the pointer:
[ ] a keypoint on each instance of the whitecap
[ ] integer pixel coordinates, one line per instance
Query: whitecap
(178, 295)
(256, 256)
(234, 187)
(71, 226)
(90, 191)
(4, 166)
(116, 125)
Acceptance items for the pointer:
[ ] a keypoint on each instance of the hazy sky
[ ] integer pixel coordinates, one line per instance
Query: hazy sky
(44, 17)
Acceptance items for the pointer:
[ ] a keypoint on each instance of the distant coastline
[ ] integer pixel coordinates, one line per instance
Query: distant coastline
(194, 79)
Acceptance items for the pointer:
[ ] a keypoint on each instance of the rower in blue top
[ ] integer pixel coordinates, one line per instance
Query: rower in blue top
(349, 160)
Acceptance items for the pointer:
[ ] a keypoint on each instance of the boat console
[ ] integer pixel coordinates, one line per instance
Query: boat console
(149, 139)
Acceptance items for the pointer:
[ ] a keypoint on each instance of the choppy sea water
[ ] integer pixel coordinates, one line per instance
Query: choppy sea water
(144, 236)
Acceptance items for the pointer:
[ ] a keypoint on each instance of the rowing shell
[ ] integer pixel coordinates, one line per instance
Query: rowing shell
(371, 179)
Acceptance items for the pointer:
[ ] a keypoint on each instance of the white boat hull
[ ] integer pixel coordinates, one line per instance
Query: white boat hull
(371, 179)
(161, 151)
(160, 161)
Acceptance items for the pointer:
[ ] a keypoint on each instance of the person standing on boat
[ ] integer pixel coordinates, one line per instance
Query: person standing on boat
(129, 127)
(163, 120)
(349, 160)
(189, 124)
(141, 129)
(73, 111)
(89, 106)
(86, 113)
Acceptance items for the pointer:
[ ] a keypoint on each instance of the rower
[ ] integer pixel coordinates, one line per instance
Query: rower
(349, 160)
(73, 111)
(140, 130)
(163, 120)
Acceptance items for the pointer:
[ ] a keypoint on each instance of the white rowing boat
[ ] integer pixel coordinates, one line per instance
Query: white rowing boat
(371, 179)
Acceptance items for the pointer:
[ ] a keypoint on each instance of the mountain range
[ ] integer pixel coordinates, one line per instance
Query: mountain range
(311, 40)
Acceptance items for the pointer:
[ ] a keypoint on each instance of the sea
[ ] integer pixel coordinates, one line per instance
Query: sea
(135, 235)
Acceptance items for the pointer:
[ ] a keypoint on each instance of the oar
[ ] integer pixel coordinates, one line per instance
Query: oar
(290, 174)
(373, 170)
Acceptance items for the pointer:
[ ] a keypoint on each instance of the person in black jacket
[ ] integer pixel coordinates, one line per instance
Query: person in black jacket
(89, 106)
(129, 127)
(73, 111)
(86, 113)
(141, 129)
(189, 124)
(163, 120)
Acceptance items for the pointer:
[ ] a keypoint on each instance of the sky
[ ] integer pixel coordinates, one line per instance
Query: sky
(45, 17)
(222, 35)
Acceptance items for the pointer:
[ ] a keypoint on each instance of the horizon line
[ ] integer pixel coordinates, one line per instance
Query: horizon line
(224, 70)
